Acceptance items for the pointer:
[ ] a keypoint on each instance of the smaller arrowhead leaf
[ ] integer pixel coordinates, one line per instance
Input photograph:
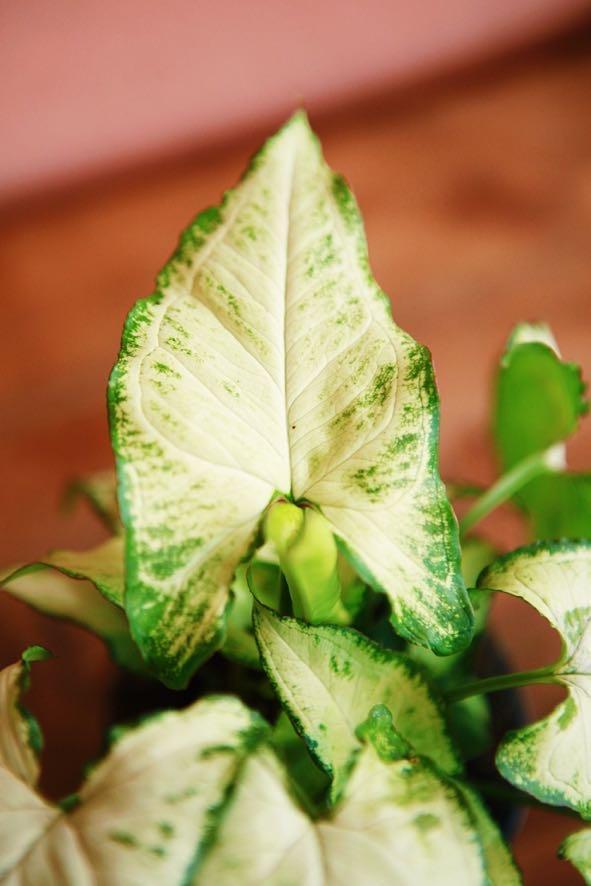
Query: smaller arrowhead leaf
(577, 849)
(85, 588)
(549, 759)
(539, 402)
(103, 566)
(398, 822)
(267, 362)
(328, 677)
(539, 397)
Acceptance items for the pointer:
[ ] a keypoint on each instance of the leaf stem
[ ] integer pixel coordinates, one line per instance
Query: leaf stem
(503, 681)
(506, 486)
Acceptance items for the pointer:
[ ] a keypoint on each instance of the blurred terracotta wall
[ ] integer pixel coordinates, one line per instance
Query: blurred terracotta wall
(90, 86)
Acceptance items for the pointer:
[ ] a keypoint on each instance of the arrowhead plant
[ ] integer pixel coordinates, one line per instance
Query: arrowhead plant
(278, 532)
(267, 364)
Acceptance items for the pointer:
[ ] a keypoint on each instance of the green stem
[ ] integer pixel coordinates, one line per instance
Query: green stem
(504, 681)
(508, 485)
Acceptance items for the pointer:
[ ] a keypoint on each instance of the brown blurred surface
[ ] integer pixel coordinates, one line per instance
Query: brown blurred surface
(477, 200)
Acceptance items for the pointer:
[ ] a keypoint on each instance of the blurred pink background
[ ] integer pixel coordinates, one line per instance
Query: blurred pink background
(464, 129)
(90, 87)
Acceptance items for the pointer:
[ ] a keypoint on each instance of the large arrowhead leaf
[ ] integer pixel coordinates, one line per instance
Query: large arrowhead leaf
(144, 811)
(267, 361)
(328, 677)
(539, 402)
(550, 758)
(85, 588)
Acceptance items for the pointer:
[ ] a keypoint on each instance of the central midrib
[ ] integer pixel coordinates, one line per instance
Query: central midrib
(288, 245)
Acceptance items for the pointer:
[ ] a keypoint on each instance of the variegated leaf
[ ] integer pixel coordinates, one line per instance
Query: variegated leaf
(577, 849)
(197, 797)
(263, 836)
(469, 718)
(85, 588)
(550, 758)
(328, 677)
(20, 738)
(405, 824)
(143, 813)
(267, 361)
(103, 566)
(398, 822)
(500, 864)
(24, 815)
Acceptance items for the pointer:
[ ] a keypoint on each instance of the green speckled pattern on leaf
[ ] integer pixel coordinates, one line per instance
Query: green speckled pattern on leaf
(550, 758)
(263, 837)
(409, 824)
(144, 814)
(197, 797)
(398, 822)
(500, 864)
(328, 678)
(267, 360)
